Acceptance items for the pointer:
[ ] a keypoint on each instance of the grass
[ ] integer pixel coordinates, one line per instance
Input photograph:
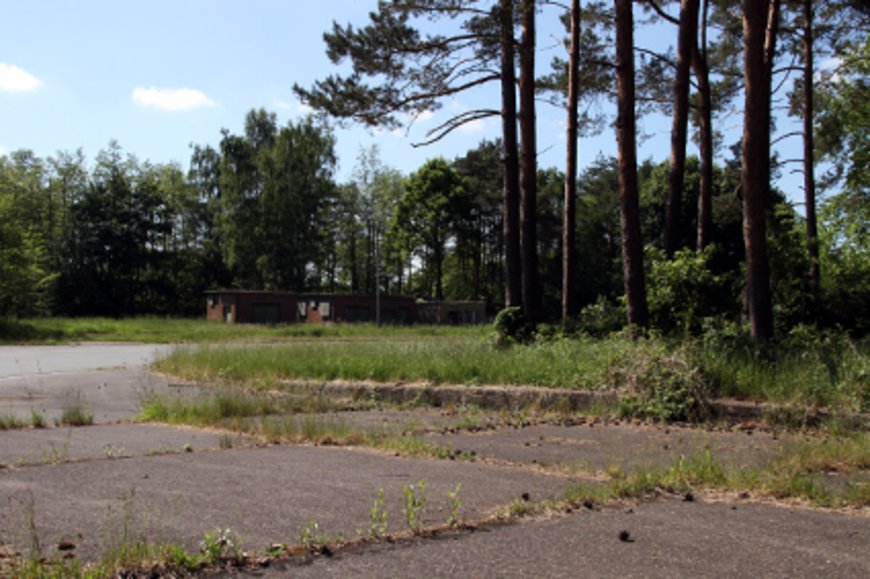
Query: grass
(285, 419)
(667, 380)
(464, 359)
(178, 330)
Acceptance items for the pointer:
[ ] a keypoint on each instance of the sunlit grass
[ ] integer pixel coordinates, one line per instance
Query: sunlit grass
(177, 330)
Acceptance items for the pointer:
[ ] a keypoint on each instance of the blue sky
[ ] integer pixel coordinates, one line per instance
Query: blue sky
(159, 75)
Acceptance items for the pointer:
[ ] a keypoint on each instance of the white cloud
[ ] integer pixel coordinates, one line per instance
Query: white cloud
(3, 150)
(171, 99)
(295, 105)
(475, 126)
(14, 79)
(423, 116)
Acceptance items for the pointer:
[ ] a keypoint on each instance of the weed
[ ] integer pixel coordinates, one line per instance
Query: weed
(55, 454)
(312, 539)
(225, 441)
(37, 420)
(113, 451)
(75, 411)
(219, 545)
(414, 502)
(378, 514)
(10, 422)
(454, 503)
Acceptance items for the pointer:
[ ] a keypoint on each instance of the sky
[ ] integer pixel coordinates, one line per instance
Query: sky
(160, 75)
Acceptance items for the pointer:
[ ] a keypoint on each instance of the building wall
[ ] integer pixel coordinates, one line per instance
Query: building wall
(239, 306)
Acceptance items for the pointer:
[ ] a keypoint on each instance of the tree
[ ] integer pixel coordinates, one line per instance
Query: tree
(434, 198)
(571, 133)
(24, 277)
(632, 246)
(398, 72)
(759, 37)
(528, 168)
(688, 25)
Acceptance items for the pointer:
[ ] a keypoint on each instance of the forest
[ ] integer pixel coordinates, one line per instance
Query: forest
(694, 243)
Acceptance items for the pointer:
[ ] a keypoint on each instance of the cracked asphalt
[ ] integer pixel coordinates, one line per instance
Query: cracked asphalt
(89, 485)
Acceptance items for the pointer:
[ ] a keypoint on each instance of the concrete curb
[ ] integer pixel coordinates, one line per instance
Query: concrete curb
(513, 398)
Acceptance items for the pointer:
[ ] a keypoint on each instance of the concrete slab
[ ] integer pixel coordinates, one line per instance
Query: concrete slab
(265, 495)
(110, 395)
(32, 360)
(597, 446)
(666, 539)
(52, 445)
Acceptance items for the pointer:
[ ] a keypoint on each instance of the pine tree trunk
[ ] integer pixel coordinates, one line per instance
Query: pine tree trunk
(758, 44)
(511, 224)
(687, 38)
(632, 246)
(705, 130)
(569, 215)
(809, 151)
(528, 167)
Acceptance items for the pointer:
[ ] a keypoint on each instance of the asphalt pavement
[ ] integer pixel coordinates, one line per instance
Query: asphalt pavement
(89, 486)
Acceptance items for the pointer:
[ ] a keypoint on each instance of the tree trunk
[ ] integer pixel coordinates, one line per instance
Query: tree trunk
(511, 225)
(528, 167)
(687, 39)
(632, 246)
(809, 151)
(758, 39)
(569, 215)
(705, 130)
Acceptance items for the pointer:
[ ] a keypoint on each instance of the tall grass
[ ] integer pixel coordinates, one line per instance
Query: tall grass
(177, 330)
(836, 376)
(581, 363)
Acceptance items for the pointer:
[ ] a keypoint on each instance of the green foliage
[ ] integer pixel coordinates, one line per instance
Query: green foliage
(378, 514)
(219, 545)
(661, 385)
(454, 503)
(601, 318)
(413, 504)
(510, 327)
(683, 290)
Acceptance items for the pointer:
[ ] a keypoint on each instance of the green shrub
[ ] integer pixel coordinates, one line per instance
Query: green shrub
(511, 327)
(661, 386)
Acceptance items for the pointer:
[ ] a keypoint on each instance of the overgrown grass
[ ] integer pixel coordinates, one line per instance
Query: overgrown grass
(177, 330)
(581, 363)
(663, 380)
(282, 419)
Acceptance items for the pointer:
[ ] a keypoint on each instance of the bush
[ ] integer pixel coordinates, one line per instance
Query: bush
(601, 318)
(661, 386)
(511, 327)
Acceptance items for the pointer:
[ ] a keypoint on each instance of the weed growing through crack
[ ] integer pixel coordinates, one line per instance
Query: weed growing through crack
(37, 420)
(113, 451)
(76, 411)
(454, 503)
(378, 514)
(219, 545)
(10, 422)
(414, 501)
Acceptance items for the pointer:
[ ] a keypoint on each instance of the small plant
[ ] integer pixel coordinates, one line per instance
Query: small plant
(311, 537)
(187, 447)
(413, 504)
(76, 411)
(113, 451)
(37, 420)
(378, 524)
(454, 503)
(225, 441)
(10, 422)
(219, 545)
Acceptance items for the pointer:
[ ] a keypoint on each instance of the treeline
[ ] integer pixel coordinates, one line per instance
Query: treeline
(678, 245)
